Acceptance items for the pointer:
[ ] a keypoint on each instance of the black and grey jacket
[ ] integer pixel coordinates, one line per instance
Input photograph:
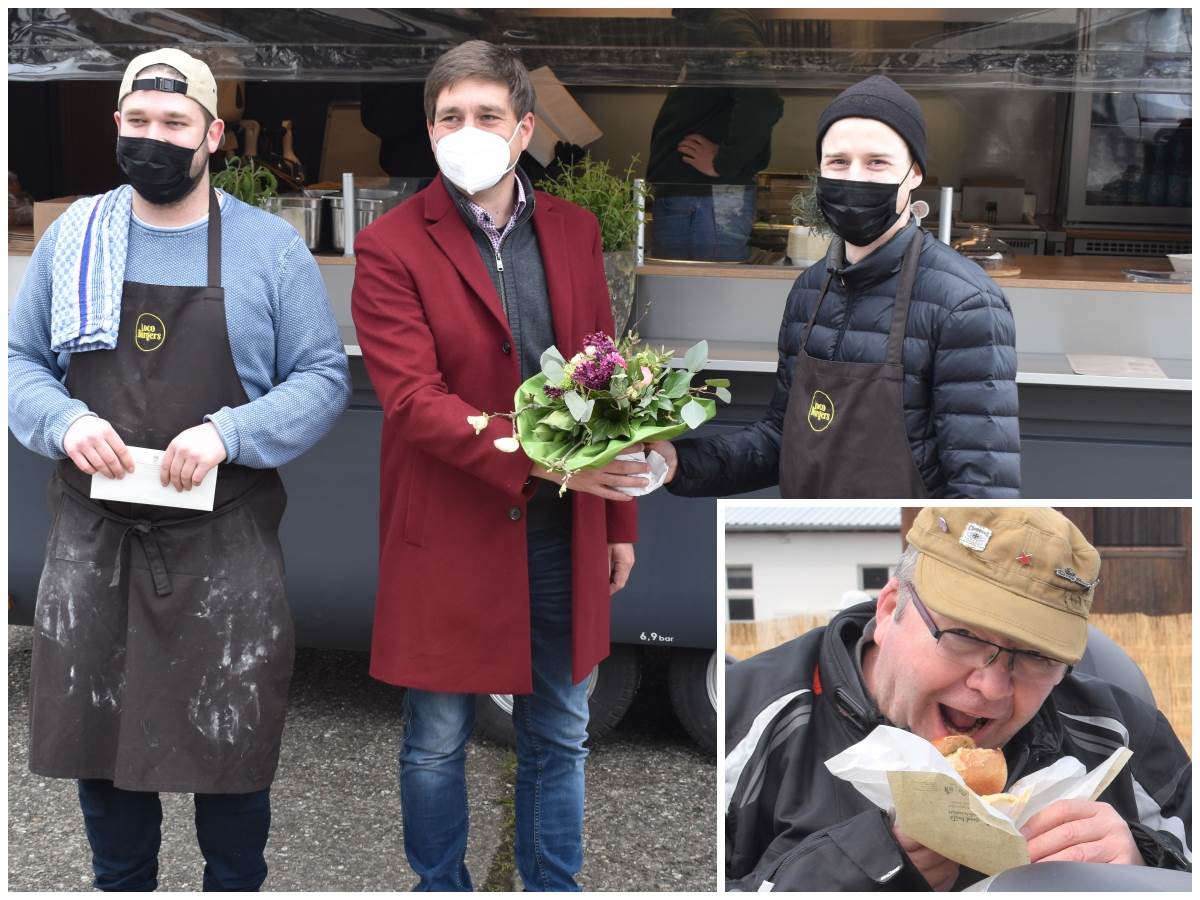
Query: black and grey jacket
(791, 824)
(960, 367)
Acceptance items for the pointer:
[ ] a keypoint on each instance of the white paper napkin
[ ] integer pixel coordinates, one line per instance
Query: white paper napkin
(655, 478)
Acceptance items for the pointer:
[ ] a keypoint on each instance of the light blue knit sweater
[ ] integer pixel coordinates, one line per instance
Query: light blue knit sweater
(285, 341)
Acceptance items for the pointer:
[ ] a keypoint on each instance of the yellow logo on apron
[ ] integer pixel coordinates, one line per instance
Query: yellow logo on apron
(149, 332)
(820, 411)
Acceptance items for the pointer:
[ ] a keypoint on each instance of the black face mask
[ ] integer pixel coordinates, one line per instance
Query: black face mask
(159, 171)
(859, 212)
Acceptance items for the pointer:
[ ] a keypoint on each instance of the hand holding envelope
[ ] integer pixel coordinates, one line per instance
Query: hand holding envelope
(143, 485)
(94, 446)
(903, 773)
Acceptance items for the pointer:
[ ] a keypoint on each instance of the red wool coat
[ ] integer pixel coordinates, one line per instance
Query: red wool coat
(452, 610)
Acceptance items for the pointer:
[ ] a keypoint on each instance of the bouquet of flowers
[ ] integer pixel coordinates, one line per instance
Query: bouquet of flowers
(586, 411)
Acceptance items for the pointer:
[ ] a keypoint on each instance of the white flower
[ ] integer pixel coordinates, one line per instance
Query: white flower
(507, 444)
(590, 350)
(477, 422)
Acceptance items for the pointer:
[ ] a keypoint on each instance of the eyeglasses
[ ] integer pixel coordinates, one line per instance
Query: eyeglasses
(967, 650)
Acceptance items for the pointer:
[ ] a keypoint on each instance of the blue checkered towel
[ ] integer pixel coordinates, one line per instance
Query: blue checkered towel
(89, 272)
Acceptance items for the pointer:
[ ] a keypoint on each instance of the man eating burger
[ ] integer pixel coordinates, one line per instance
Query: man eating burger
(971, 643)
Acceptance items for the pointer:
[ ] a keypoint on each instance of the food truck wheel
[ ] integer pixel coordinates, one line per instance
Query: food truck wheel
(693, 682)
(611, 688)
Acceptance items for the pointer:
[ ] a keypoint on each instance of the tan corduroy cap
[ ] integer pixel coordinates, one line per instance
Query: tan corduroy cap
(198, 82)
(1027, 574)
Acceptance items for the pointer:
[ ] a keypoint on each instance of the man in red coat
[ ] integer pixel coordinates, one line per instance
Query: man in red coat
(489, 582)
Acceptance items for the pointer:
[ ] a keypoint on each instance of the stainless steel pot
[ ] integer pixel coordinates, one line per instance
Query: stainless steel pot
(302, 213)
(369, 205)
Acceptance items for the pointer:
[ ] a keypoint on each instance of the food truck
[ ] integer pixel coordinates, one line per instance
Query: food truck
(1060, 159)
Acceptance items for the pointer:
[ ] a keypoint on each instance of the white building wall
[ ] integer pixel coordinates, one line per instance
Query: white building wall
(806, 572)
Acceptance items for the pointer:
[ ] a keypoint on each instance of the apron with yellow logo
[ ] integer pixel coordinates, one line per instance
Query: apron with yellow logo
(163, 642)
(843, 433)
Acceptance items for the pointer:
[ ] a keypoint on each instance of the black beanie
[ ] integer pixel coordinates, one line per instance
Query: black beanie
(880, 98)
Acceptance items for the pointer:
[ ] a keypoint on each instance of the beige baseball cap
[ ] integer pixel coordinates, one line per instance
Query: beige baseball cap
(1027, 574)
(198, 82)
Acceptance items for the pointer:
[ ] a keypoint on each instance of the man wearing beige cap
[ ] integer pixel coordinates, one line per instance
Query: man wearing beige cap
(169, 327)
(977, 633)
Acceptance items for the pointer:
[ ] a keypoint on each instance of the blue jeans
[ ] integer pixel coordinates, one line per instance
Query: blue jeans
(713, 227)
(124, 829)
(551, 727)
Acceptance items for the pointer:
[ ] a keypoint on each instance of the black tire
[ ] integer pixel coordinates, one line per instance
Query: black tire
(613, 685)
(693, 682)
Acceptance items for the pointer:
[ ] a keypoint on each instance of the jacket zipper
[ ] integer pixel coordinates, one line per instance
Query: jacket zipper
(500, 278)
(500, 273)
(850, 297)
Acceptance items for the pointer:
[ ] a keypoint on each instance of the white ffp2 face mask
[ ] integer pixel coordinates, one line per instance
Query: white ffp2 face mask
(474, 159)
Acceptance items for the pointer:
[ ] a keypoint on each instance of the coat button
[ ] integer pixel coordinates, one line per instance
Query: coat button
(514, 513)
(506, 348)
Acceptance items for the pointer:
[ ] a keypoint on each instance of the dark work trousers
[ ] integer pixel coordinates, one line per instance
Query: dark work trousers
(124, 829)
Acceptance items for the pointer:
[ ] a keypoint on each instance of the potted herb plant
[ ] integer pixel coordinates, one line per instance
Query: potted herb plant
(246, 180)
(614, 200)
(810, 234)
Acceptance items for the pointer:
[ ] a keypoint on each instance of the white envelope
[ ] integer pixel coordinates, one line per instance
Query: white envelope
(143, 486)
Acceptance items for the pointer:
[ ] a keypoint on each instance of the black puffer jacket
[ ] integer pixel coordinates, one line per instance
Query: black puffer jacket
(789, 822)
(960, 366)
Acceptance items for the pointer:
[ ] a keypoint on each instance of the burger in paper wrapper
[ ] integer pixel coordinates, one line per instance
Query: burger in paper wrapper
(985, 771)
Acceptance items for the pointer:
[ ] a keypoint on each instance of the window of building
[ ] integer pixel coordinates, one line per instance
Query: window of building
(873, 578)
(739, 578)
(739, 592)
(741, 609)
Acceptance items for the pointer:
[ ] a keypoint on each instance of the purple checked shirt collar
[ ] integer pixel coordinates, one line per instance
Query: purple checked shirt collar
(484, 220)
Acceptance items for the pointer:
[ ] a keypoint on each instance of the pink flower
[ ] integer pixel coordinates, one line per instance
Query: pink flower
(647, 377)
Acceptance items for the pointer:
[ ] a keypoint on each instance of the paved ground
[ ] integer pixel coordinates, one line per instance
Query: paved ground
(651, 802)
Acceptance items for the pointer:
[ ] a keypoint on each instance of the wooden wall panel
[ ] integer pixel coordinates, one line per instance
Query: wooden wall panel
(1135, 577)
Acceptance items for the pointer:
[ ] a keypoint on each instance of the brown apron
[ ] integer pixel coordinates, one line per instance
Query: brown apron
(843, 433)
(163, 642)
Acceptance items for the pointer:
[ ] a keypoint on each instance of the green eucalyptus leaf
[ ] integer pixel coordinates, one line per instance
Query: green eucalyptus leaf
(677, 384)
(552, 363)
(724, 395)
(697, 357)
(694, 414)
(575, 404)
